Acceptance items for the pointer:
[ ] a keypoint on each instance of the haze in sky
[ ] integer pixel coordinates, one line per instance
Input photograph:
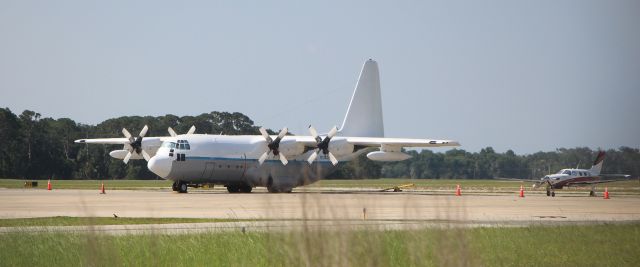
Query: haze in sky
(523, 75)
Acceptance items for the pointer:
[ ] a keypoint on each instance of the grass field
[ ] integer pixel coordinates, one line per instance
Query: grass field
(603, 245)
(631, 186)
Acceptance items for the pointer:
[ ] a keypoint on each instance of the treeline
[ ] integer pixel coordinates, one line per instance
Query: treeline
(38, 148)
(487, 164)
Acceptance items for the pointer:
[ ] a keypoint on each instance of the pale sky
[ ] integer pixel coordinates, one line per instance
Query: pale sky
(523, 75)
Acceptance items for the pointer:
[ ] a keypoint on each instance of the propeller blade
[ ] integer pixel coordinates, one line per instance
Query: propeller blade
(144, 130)
(313, 131)
(333, 159)
(312, 157)
(264, 134)
(146, 155)
(332, 132)
(126, 133)
(283, 132)
(172, 132)
(127, 157)
(263, 157)
(283, 159)
(192, 129)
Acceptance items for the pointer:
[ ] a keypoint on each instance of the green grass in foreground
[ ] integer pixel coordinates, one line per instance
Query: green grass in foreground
(74, 221)
(603, 245)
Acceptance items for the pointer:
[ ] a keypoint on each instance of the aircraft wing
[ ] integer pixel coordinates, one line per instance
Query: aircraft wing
(399, 142)
(379, 141)
(112, 141)
(594, 182)
(104, 141)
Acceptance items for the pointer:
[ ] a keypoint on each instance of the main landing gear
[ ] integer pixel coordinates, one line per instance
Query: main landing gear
(242, 188)
(180, 187)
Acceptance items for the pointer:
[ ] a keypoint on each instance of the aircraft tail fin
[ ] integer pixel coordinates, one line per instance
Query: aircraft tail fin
(364, 115)
(597, 164)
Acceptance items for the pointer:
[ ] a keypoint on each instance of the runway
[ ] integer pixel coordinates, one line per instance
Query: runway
(402, 206)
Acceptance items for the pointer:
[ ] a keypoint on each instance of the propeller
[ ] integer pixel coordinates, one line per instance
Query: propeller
(174, 134)
(135, 144)
(323, 145)
(273, 145)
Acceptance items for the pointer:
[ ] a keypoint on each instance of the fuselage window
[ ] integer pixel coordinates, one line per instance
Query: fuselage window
(187, 147)
(567, 172)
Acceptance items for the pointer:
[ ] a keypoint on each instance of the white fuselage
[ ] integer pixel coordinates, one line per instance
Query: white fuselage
(567, 176)
(229, 160)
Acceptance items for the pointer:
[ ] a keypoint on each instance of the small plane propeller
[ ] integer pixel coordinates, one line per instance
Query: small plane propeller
(273, 145)
(135, 144)
(323, 145)
(174, 134)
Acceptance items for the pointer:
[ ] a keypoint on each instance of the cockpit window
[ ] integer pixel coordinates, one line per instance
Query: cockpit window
(169, 144)
(182, 144)
(567, 172)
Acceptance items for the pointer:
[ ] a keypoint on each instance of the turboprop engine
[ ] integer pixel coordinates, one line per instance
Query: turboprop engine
(340, 147)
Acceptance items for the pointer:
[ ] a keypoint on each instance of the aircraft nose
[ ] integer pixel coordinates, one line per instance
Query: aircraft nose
(160, 165)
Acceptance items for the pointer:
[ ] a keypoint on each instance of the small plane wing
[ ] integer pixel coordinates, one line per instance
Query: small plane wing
(597, 182)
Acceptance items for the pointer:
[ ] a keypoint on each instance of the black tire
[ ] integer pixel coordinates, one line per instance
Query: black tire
(245, 189)
(174, 186)
(548, 193)
(183, 187)
(553, 194)
(592, 194)
(233, 189)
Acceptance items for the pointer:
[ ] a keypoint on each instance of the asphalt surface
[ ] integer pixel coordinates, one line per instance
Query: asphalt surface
(402, 206)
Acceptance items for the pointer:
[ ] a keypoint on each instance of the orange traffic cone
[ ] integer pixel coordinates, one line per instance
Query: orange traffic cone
(102, 189)
(521, 191)
(458, 191)
(606, 193)
(49, 184)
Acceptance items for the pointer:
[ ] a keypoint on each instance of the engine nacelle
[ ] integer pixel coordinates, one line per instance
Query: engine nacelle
(120, 154)
(340, 147)
(387, 156)
(291, 148)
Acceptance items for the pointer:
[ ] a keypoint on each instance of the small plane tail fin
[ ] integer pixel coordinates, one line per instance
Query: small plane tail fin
(597, 164)
(364, 115)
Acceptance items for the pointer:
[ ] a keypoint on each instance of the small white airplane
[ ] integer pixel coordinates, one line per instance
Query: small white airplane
(280, 162)
(578, 177)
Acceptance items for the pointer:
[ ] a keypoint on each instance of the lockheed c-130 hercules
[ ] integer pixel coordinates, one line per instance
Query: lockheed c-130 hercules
(280, 162)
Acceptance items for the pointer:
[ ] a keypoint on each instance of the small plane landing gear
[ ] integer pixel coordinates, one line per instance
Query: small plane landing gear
(553, 193)
(182, 187)
(592, 193)
(548, 192)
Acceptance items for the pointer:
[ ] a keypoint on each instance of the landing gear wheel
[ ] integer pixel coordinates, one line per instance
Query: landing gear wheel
(553, 194)
(233, 189)
(174, 187)
(182, 187)
(592, 193)
(548, 193)
(245, 189)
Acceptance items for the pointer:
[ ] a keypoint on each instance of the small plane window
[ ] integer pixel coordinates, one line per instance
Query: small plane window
(567, 172)
(181, 146)
(574, 173)
(187, 146)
